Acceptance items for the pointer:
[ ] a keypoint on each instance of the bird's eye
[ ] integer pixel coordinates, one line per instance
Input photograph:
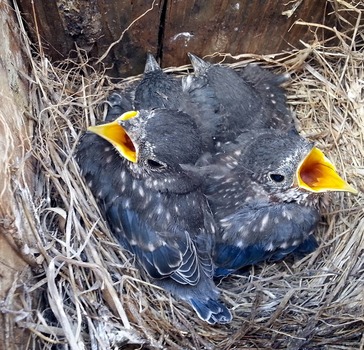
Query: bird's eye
(155, 164)
(277, 177)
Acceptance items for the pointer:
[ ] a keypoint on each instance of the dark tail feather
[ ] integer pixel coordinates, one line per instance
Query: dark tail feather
(211, 311)
(199, 65)
(151, 64)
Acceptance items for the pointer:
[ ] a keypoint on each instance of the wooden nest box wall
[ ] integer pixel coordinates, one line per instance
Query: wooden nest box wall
(169, 29)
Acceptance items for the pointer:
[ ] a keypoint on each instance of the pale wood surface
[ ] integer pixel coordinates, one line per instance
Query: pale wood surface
(15, 175)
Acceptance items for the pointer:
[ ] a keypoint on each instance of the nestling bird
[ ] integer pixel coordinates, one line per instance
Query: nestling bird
(154, 207)
(158, 89)
(251, 100)
(264, 191)
(118, 104)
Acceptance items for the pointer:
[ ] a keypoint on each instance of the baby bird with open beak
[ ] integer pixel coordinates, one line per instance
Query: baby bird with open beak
(264, 192)
(155, 208)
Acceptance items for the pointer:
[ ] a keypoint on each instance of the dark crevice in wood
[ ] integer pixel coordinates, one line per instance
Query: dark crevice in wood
(162, 22)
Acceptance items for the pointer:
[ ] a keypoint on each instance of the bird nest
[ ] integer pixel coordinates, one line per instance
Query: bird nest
(86, 290)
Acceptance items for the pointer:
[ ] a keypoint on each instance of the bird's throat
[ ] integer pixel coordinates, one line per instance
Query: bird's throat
(117, 136)
(317, 174)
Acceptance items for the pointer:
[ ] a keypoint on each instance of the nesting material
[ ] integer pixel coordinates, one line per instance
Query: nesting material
(93, 297)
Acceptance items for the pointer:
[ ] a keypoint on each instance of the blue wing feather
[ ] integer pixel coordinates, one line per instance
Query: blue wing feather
(245, 243)
(161, 255)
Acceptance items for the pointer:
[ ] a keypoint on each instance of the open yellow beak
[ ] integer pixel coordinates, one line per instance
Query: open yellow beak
(117, 136)
(317, 174)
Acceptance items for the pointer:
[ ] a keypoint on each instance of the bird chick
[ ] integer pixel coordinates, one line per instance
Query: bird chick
(119, 102)
(158, 89)
(264, 191)
(154, 207)
(251, 100)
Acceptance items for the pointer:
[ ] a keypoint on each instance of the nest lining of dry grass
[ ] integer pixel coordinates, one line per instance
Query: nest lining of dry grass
(87, 292)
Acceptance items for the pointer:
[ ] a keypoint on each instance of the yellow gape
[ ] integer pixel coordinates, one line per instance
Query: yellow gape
(117, 136)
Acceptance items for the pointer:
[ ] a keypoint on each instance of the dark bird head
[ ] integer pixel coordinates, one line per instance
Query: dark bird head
(118, 103)
(153, 143)
(287, 166)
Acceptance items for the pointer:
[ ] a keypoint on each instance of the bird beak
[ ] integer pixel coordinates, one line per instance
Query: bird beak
(317, 174)
(117, 136)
